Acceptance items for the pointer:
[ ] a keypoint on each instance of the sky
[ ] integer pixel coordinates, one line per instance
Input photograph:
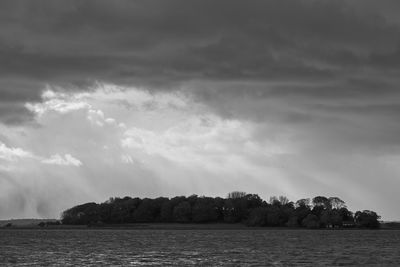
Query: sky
(150, 98)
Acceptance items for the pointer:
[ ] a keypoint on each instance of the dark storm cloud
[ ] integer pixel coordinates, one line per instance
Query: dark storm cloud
(389, 60)
(14, 113)
(165, 43)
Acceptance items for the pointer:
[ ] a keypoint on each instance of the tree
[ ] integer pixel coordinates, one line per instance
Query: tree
(367, 219)
(301, 212)
(318, 210)
(293, 222)
(283, 200)
(230, 211)
(166, 212)
(130, 206)
(147, 211)
(236, 194)
(219, 207)
(258, 217)
(304, 202)
(331, 218)
(346, 215)
(253, 201)
(321, 201)
(237, 209)
(182, 212)
(121, 210)
(336, 218)
(273, 216)
(336, 203)
(311, 221)
(204, 210)
(274, 201)
(287, 211)
(82, 214)
(192, 200)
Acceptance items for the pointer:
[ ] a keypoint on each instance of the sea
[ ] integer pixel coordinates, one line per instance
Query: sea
(204, 247)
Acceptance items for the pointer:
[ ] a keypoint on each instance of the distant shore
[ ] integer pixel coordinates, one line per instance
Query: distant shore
(142, 226)
(176, 226)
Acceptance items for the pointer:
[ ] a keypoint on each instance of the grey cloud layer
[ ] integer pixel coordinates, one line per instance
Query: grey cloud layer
(162, 43)
(308, 63)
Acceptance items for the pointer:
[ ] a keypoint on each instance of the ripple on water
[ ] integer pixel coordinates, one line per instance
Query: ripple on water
(198, 247)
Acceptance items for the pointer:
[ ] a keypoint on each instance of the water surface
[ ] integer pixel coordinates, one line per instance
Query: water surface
(113, 247)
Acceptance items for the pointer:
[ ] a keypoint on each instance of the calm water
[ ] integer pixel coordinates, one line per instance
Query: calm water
(198, 247)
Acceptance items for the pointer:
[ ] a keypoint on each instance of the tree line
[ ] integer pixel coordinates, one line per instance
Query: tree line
(237, 207)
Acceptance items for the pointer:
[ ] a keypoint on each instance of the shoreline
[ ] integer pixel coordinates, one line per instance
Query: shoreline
(173, 226)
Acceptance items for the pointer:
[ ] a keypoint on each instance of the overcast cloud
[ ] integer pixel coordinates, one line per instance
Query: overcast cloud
(150, 98)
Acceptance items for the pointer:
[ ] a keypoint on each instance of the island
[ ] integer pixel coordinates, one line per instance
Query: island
(237, 208)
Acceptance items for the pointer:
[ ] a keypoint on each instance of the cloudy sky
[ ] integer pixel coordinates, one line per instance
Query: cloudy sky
(164, 98)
